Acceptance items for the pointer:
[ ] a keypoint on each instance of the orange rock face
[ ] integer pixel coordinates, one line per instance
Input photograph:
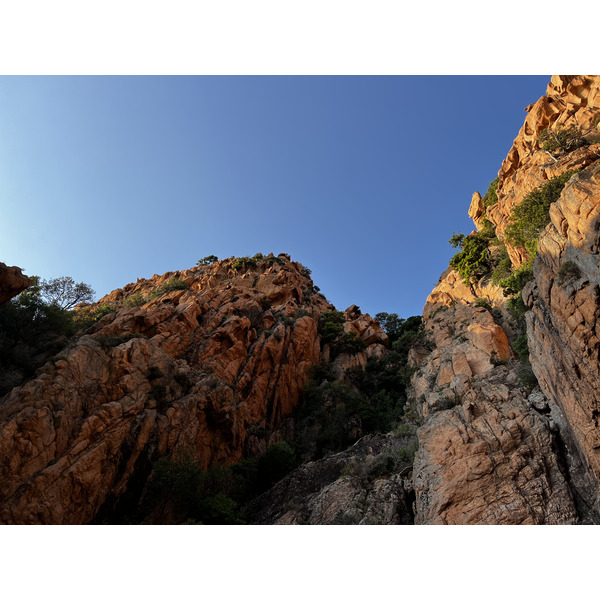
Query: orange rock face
(489, 451)
(489, 460)
(485, 453)
(202, 368)
(12, 282)
(569, 101)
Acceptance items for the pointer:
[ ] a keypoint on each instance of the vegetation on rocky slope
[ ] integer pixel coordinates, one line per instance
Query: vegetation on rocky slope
(220, 357)
(332, 415)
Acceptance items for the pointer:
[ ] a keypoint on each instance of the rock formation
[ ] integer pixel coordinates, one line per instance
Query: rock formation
(12, 282)
(352, 487)
(492, 450)
(200, 359)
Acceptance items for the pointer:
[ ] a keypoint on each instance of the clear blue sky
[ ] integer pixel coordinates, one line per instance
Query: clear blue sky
(361, 179)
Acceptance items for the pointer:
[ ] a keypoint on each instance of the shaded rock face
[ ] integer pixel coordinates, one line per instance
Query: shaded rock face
(203, 368)
(490, 460)
(491, 451)
(347, 488)
(12, 282)
(563, 325)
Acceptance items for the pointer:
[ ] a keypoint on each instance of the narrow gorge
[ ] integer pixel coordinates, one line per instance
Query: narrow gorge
(234, 392)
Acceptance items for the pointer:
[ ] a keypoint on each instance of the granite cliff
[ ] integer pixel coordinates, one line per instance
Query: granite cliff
(496, 447)
(211, 360)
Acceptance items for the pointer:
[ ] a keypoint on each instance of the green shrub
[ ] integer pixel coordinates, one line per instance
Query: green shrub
(275, 464)
(207, 260)
(518, 279)
(473, 260)
(30, 333)
(320, 372)
(405, 430)
(391, 323)
(210, 497)
(331, 325)
(516, 309)
(220, 510)
(566, 139)
(309, 291)
(158, 392)
(526, 375)
(134, 300)
(169, 286)
(245, 262)
(349, 343)
(177, 478)
(568, 270)
(529, 218)
(483, 303)
(183, 379)
(497, 360)
(491, 197)
(103, 310)
(274, 260)
(502, 265)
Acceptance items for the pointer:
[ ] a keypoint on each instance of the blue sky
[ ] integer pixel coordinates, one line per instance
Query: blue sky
(362, 179)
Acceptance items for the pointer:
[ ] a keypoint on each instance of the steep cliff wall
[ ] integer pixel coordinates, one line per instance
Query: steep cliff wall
(205, 367)
(492, 449)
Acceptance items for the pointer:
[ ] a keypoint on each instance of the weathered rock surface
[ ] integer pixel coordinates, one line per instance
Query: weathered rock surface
(201, 368)
(563, 325)
(490, 460)
(569, 101)
(489, 452)
(12, 282)
(347, 488)
(485, 453)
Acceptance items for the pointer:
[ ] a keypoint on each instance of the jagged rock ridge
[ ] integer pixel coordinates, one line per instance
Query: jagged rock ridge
(203, 368)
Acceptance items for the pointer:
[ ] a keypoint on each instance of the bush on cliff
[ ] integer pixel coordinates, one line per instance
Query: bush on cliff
(491, 197)
(474, 259)
(568, 271)
(565, 139)
(529, 218)
(176, 283)
(207, 260)
(518, 279)
(331, 326)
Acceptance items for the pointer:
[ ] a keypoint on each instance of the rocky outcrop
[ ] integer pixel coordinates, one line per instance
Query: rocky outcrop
(12, 282)
(490, 459)
(205, 368)
(485, 451)
(354, 487)
(569, 101)
(492, 450)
